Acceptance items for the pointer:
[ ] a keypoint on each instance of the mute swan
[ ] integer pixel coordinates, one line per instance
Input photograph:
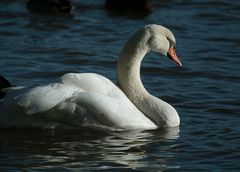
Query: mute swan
(93, 100)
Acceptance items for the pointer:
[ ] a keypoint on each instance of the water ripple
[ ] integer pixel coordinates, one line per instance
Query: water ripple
(38, 48)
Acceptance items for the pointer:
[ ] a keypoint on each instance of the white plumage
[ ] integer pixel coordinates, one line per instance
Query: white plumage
(90, 99)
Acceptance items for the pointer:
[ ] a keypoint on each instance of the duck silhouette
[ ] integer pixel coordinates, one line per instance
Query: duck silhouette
(50, 6)
(132, 6)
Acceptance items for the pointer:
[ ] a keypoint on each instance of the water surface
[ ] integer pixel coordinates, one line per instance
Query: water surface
(35, 49)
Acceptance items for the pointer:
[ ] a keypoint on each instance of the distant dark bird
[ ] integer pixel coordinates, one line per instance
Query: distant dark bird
(133, 6)
(4, 83)
(50, 6)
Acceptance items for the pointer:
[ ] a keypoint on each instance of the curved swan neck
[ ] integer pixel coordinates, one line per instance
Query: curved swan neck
(129, 64)
(129, 80)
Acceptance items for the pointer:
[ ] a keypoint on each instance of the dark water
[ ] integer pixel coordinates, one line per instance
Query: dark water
(35, 49)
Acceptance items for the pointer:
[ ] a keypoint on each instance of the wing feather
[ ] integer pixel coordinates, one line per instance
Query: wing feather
(43, 98)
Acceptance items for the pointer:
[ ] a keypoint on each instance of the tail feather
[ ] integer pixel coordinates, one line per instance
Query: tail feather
(4, 83)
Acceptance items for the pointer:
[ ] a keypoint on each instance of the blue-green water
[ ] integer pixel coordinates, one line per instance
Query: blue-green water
(35, 49)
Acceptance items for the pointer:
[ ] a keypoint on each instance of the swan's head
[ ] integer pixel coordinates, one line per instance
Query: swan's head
(162, 40)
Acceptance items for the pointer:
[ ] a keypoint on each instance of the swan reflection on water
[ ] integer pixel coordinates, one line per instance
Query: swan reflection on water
(88, 149)
(127, 149)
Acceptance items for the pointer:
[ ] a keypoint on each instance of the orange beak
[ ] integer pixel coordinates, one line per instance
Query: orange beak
(173, 56)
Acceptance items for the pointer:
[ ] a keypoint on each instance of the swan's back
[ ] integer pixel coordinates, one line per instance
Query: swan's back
(42, 98)
(92, 82)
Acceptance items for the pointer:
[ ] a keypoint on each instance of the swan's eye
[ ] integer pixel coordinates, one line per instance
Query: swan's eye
(171, 43)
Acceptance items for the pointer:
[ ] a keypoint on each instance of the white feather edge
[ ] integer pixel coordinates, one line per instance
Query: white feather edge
(43, 98)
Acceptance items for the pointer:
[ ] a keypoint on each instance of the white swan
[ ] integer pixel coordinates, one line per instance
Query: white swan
(91, 99)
